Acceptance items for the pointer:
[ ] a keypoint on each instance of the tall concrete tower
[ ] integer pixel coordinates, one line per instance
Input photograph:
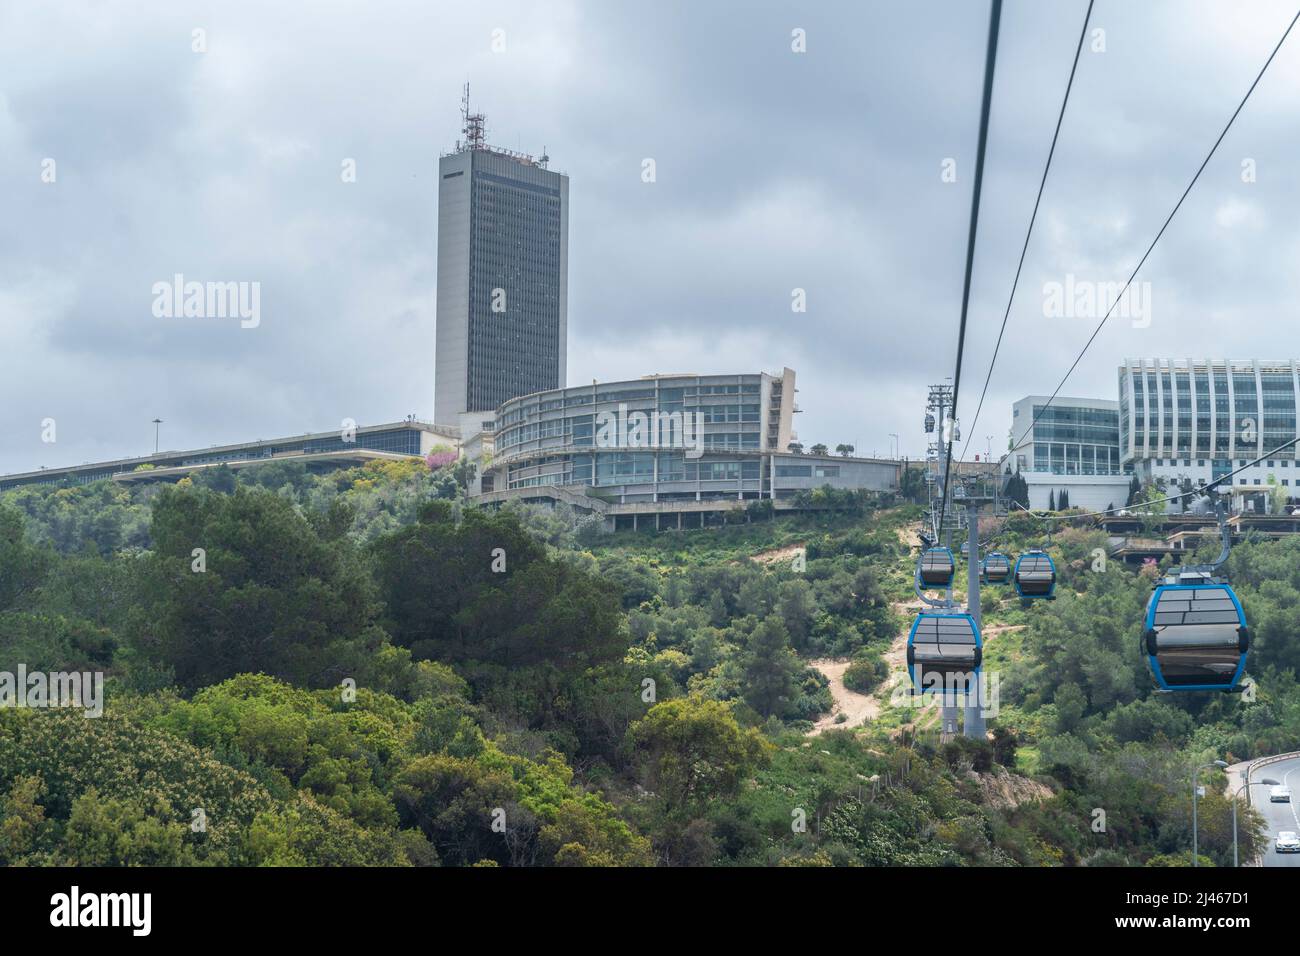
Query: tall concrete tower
(503, 263)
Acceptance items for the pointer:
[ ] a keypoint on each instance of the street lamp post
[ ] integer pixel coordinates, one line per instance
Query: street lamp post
(1222, 765)
(156, 422)
(1266, 782)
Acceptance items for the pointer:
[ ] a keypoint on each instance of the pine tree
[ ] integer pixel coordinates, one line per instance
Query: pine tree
(1017, 489)
(1051, 500)
(771, 669)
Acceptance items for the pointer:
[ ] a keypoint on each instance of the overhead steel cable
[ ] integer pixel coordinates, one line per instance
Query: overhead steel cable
(970, 430)
(1199, 490)
(990, 59)
(1168, 220)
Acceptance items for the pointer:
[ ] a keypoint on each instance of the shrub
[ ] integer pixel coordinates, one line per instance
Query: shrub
(865, 673)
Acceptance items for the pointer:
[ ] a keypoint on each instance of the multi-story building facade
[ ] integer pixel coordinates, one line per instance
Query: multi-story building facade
(503, 250)
(650, 439)
(1069, 436)
(1070, 445)
(1179, 422)
(1187, 421)
(670, 451)
(662, 444)
(319, 451)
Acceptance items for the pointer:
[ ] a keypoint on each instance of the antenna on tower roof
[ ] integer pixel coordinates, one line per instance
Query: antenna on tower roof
(473, 123)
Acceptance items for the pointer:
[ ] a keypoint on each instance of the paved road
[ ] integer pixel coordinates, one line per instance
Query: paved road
(1280, 816)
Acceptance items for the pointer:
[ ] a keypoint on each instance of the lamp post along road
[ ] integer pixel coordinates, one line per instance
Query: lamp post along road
(1222, 765)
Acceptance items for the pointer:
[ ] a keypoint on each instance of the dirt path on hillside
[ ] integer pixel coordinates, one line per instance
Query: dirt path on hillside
(859, 708)
(778, 555)
(909, 537)
(996, 629)
(856, 708)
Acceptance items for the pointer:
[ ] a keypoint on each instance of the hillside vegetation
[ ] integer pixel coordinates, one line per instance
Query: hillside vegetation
(362, 669)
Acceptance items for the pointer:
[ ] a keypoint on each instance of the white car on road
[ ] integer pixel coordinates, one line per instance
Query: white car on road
(1280, 795)
(1288, 842)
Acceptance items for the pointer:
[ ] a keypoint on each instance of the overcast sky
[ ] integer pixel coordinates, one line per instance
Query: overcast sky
(775, 170)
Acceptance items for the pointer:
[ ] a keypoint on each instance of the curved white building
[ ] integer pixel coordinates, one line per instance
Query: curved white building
(658, 445)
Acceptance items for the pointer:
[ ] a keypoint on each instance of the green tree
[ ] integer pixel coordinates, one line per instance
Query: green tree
(307, 833)
(269, 596)
(150, 774)
(1134, 489)
(52, 642)
(483, 590)
(865, 673)
(796, 607)
(691, 751)
(637, 582)
(221, 479)
(1017, 489)
(719, 616)
(911, 484)
(756, 595)
(22, 820)
(1071, 704)
(1277, 496)
(771, 669)
(22, 564)
(1149, 505)
(104, 831)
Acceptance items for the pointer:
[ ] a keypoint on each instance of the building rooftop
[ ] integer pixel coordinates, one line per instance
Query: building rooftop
(312, 446)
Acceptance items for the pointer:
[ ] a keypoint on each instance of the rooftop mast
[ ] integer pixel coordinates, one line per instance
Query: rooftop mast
(474, 128)
(473, 123)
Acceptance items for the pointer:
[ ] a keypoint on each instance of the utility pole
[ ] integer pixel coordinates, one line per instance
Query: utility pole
(974, 723)
(936, 421)
(940, 400)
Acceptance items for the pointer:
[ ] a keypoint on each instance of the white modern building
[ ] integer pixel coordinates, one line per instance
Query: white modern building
(1068, 445)
(1185, 421)
(1178, 422)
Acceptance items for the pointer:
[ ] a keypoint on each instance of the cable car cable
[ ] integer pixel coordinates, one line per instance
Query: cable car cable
(1168, 220)
(970, 431)
(995, 17)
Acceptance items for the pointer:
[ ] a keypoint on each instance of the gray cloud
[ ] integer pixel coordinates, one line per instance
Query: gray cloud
(775, 171)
